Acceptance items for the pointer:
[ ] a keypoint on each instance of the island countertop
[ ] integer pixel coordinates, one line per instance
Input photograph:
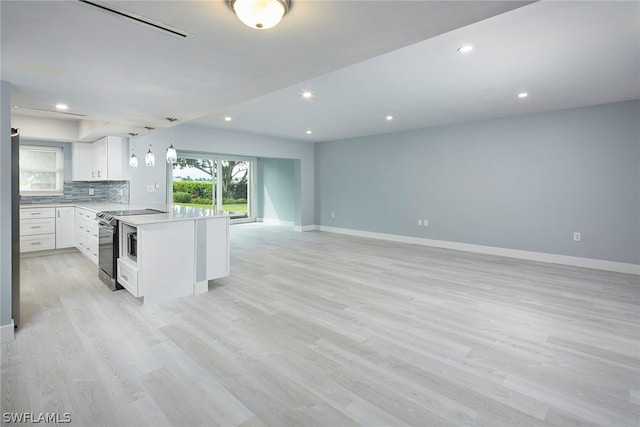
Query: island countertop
(172, 213)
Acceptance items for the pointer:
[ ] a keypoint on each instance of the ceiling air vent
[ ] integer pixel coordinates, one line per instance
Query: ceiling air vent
(137, 18)
(42, 110)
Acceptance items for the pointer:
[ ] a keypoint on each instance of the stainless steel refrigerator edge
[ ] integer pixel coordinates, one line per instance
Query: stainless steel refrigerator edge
(15, 226)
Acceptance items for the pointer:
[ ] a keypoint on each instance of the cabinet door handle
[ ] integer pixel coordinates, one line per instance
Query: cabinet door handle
(35, 243)
(36, 226)
(36, 213)
(125, 277)
(58, 214)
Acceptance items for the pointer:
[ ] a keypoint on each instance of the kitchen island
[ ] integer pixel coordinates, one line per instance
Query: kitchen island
(173, 254)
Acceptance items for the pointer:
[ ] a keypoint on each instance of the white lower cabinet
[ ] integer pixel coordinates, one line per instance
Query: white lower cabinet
(128, 275)
(37, 242)
(37, 226)
(65, 227)
(37, 229)
(86, 234)
(47, 228)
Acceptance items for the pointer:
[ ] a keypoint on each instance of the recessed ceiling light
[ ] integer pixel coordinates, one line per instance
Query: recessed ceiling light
(227, 119)
(523, 95)
(389, 117)
(306, 94)
(62, 106)
(465, 49)
(309, 132)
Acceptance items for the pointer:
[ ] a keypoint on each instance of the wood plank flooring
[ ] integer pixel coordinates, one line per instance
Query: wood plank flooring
(320, 329)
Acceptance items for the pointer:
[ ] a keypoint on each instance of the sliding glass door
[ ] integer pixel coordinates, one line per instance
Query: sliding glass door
(215, 182)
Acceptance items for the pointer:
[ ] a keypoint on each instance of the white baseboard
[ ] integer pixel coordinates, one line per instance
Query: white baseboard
(597, 264)
(273, 221)
(200, 287)
(7, 332)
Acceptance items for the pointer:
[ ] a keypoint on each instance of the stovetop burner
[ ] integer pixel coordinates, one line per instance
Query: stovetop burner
(109, 215)
(134, 212)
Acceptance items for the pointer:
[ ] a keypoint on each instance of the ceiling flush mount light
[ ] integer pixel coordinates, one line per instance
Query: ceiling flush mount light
(133, 160)
(260, 14)
(227, 119)
(389, 118)
(172, 156)
(465, 49)
(62, 107)
(149, 158)
(307, 95)
(309, 132)
(522, 95)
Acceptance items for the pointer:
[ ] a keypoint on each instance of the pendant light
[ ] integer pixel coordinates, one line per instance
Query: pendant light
(149, 158)
(133, 160)
(172, 156)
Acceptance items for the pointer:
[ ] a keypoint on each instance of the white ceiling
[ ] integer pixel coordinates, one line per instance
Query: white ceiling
(361, 59)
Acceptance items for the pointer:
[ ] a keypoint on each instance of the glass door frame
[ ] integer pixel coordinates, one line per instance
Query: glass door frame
(218, 159)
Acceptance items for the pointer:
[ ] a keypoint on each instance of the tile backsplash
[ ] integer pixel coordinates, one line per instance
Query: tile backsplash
(78, 191)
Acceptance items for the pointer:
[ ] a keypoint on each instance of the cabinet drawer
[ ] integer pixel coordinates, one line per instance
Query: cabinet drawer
(37, 226)
(128, 276)
(85, 214)
(32, 213)
(37, 243)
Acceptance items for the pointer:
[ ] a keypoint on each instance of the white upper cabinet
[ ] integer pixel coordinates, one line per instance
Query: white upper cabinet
(117, 158)
(100, 155)
(102, 160)
(81, 161)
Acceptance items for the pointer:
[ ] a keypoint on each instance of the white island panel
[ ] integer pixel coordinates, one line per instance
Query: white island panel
(212, 251)
(166, 252)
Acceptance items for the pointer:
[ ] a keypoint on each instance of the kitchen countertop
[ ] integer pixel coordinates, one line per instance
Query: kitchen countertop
(172, 212)
(94, 207)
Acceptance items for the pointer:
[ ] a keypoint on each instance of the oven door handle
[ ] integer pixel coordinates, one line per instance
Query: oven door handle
(105, 224)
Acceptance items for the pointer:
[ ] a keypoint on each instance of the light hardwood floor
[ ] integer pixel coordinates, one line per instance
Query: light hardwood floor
(319, 329)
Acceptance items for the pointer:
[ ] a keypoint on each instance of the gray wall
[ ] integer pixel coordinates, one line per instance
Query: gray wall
(525, 182)
(202, 139)
(5, 203)
(276, 189)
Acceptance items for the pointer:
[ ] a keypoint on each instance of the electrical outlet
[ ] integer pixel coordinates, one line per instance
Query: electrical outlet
(425, 222)
(577, 236)
(419, 222)
(151, 188)
(333, 214)
(92, 192)
(121, 192)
